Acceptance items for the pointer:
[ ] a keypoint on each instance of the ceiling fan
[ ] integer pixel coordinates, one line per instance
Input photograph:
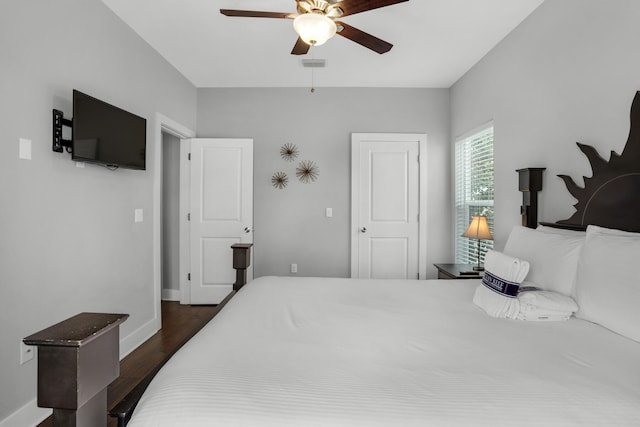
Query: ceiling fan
(316, 22)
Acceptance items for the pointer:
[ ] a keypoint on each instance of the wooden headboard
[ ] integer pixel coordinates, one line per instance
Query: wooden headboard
(611, 196)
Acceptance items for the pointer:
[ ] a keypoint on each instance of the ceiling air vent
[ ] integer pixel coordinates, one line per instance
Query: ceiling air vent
(314, 63)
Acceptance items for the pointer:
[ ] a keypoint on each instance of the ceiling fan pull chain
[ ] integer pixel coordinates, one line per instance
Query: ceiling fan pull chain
(313, 89)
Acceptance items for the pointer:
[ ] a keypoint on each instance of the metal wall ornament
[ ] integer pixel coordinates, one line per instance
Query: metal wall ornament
(307, 171)
(279, 180)
(289, 152)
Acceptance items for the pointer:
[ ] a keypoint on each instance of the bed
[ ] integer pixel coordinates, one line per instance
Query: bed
(345, 352)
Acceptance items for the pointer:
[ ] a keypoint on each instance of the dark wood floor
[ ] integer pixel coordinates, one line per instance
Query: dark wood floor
(179, 323)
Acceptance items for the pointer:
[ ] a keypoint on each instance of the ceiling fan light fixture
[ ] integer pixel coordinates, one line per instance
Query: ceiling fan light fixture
(314, 28)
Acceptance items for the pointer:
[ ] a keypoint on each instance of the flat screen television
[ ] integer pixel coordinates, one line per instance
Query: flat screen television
(107, 135)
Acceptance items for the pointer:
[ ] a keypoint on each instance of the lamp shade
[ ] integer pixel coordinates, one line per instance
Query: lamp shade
(478, 228)
(314, 28)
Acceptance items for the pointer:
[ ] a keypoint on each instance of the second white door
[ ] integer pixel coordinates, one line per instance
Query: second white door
(221, 214)
(387, 210)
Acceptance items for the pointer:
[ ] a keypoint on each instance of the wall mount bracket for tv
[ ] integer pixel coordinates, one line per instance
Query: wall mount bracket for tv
(59, 143)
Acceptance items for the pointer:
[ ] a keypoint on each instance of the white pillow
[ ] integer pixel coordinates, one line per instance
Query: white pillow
(553, 257)
(608, 285)
(563, 231)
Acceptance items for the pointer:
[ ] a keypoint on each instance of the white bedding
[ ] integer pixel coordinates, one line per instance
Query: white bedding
(344, 352)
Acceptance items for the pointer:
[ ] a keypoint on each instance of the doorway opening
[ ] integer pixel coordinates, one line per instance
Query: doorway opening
(166, 126)
(170, 218)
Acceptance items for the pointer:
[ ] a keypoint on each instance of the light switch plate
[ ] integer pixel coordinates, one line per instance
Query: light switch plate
(329, 212)
(24, 151)
(138, 215)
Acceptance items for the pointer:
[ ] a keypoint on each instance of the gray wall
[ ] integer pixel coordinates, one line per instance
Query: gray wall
(567, 74)
(170, 217)
(290, 224)
(68, 240)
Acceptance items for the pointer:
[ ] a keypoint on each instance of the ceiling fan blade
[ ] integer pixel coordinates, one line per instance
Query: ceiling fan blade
(351, 7)
(257, 14)
(301, 48)
(364, 39)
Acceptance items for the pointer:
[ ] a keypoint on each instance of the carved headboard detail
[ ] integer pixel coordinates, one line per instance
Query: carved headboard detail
(611, 196)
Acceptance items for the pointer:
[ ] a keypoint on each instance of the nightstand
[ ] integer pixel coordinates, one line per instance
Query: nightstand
(454, 271)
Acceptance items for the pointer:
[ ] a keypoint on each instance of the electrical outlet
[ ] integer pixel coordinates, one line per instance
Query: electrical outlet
(26, 352)
(294, 268)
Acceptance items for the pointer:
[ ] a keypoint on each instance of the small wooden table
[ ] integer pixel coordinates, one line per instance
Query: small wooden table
(77, 359)
(455, 271)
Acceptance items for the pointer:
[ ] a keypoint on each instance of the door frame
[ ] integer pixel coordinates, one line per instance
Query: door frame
(166, 125)
(356, 140)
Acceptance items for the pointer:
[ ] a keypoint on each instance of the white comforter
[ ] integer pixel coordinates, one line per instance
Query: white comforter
(343, 352)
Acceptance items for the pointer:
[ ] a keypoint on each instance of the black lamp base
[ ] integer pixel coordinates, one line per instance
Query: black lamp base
(478, 267)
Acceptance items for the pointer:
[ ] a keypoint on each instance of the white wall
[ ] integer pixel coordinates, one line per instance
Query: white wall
(290, 224)
(68, 240)
(567, 74)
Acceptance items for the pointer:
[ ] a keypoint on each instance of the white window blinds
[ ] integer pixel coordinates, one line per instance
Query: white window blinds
(473, 190)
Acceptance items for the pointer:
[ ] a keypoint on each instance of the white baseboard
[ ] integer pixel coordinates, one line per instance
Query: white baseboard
(137, 337)
(29, 415)
(170, 295)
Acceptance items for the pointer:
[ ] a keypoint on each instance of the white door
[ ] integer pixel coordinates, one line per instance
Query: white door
(388, 212)
(221, 214)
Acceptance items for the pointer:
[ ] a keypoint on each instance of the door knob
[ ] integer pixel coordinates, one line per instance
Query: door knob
(363, 229)
(248, 229)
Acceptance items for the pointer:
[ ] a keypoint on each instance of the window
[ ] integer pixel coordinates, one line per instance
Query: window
(473, 190)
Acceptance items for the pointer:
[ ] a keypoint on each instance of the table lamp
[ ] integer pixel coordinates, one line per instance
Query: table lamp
(478, 229)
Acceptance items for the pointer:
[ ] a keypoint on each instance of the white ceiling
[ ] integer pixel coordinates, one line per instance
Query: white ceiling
(435, 41)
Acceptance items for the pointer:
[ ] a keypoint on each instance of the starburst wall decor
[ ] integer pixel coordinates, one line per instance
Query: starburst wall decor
(307, 171)
(279, 180)
(289, 152)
